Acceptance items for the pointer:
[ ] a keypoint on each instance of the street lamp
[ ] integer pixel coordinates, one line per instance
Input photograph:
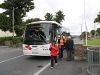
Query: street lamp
(13, 21)
(85, 24)
(81, 28)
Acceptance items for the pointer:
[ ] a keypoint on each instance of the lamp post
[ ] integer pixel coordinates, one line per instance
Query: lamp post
(85, 24)
(94, 30)
(81, 28)
(13, 21)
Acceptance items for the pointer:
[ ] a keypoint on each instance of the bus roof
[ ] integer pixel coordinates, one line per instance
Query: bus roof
(45, 22)
(64, 28)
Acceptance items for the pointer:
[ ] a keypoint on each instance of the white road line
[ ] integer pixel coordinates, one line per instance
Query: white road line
(11, 59)
(41, 70)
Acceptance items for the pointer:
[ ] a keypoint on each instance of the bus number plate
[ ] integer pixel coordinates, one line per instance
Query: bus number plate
(34, 52)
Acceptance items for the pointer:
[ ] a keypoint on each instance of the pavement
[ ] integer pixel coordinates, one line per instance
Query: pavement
(64, 67)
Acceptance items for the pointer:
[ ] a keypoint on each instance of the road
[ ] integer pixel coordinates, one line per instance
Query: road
(78, 41)
(13, 62)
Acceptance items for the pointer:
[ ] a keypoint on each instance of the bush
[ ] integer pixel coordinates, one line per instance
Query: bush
(12, 42)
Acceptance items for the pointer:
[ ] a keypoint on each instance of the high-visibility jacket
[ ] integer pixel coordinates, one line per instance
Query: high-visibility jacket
(54, 50)
(61, 41)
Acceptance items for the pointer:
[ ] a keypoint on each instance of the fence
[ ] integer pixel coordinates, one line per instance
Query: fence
(93, 54)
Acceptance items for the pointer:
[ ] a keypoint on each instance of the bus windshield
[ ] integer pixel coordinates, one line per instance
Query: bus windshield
(37, 34)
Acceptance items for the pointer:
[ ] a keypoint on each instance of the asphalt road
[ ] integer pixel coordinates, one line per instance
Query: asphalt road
(77, 40)
(13, 62)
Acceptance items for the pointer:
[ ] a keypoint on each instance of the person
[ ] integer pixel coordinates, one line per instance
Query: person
(54, 53)
(61, 42)
(69, 45)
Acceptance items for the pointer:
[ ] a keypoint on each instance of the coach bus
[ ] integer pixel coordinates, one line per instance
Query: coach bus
(38, 36)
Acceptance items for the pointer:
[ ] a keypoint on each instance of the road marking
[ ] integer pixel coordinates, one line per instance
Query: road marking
(11, 59)
(42, 69)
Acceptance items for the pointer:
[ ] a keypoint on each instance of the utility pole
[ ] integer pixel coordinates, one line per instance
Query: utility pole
(81, 28)
(13, 21)
(94, 30)
(86, 35)
(85, 24)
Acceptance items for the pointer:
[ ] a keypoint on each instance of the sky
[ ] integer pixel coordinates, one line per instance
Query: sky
(77, 12)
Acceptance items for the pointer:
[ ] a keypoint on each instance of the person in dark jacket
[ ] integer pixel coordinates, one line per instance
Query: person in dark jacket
(54, 53)
(69, 45)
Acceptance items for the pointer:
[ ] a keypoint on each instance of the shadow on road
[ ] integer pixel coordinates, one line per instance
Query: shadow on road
(38, 58)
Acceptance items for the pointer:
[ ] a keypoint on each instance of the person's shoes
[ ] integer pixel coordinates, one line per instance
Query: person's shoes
(51, 67)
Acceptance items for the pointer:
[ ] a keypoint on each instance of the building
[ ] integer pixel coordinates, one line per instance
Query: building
(5, 34)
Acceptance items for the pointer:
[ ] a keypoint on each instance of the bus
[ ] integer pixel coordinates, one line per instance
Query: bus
(38, 36)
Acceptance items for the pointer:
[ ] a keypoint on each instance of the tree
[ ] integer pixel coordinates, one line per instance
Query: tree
(19, 29)
(48, 17)
(4, 22)
(98, 31)
(20, 9)
(97, 19)
(33, 20)
(59, 17)
(92, 33)
(83, 35)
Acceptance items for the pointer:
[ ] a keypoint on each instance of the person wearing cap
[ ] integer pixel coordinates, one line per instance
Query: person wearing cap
(54, 53)
(69, 45)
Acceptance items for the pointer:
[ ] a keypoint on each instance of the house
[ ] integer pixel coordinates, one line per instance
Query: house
(5, 34)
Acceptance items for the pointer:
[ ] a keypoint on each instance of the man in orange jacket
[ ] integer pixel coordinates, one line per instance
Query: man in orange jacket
(61, 42)
(54, 53)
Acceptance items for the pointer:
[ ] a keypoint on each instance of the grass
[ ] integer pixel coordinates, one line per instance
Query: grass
(94, 42)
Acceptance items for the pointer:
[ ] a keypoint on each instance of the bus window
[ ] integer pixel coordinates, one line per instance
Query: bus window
(42, 35)
(38, 33)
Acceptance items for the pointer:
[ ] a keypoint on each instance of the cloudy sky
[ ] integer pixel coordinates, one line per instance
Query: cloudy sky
(73, 9)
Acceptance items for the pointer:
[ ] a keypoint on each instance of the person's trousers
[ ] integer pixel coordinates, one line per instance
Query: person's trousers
(53, 60)
(70, 55)
(61, 52)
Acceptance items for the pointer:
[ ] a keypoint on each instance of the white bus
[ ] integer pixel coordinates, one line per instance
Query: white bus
(38, 36)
